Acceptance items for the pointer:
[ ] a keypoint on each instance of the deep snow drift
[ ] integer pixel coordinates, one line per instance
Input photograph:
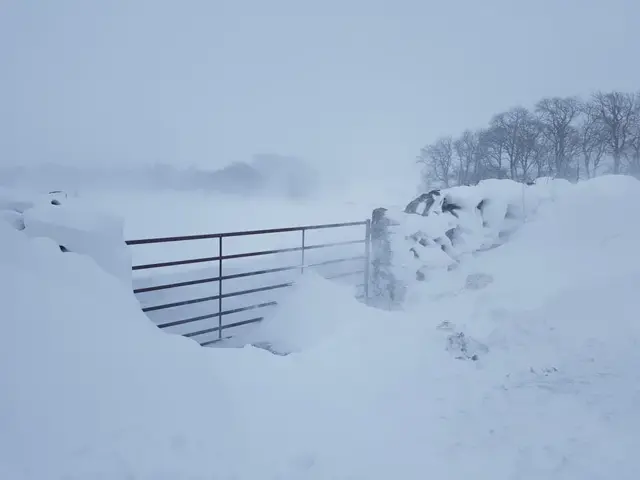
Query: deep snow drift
(90, 389)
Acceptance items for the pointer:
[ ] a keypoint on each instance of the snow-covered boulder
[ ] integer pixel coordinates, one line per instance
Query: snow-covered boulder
(438, 229)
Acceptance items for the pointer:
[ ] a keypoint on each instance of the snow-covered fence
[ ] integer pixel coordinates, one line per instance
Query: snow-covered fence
(210, 298)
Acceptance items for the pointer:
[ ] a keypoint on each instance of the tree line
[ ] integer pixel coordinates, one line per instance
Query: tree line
(566, 138)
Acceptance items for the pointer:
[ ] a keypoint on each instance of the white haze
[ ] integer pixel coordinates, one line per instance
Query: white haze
(353, 87)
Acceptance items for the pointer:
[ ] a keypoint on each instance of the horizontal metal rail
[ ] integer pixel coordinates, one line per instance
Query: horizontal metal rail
(293, 249)
(214, 341)
(242, 275)
(181, 303)
(243, 255)
(185, 238)
(176, 285)
(345, 274)
(216, 314)
(189, 320)
(224, 327)
(175, 263)
(256, 290)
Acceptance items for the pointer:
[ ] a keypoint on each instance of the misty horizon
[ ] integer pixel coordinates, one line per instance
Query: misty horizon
(352, 87)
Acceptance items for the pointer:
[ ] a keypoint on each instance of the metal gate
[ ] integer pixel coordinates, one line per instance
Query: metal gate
(217, 299)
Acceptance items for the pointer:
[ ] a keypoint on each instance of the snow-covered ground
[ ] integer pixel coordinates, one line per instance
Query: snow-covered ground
(163, 213)
(530, 373)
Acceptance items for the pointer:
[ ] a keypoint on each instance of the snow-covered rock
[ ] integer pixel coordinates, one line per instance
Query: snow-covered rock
(438, 229)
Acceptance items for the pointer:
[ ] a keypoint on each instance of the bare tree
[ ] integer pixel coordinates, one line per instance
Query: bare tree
(438, 160)
(616, 112)
(467, 149)
(531, 150)
(492, 147)
(508, 124)
(633, 151)
(543, 163)
(519, 132)
(557, 116)
(565, 137)
(592, 139)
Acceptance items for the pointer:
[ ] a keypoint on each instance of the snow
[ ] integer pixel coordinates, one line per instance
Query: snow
(14, 200)
(435, 237)
(74, 227)
(87, 379)
(91, 389)
(286, 332)
(83, 231)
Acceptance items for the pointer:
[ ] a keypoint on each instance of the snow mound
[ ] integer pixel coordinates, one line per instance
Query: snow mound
(90, 387)
(441, 228)
(73, 227)
(295, 327)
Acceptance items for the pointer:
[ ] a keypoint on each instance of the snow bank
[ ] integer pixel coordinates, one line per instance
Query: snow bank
(584, 235)
(437, 230)
(90, 388)
(73, 227)
(82, 231)
(542, 383)
(294, 327)
(552, 390)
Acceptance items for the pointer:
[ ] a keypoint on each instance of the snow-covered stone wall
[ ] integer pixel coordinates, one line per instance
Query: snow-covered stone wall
(438, 229)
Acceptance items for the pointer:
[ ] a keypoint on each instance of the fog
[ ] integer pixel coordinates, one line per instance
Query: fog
(355, 88)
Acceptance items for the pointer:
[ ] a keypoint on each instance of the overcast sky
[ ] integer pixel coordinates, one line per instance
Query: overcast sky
(342, 83)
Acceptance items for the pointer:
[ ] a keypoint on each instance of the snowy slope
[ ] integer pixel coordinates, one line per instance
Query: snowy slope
(90, 389)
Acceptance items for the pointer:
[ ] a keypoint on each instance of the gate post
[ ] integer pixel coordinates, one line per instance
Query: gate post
(385, 285)
(303, 247)
(220, 288)
(367, 260)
